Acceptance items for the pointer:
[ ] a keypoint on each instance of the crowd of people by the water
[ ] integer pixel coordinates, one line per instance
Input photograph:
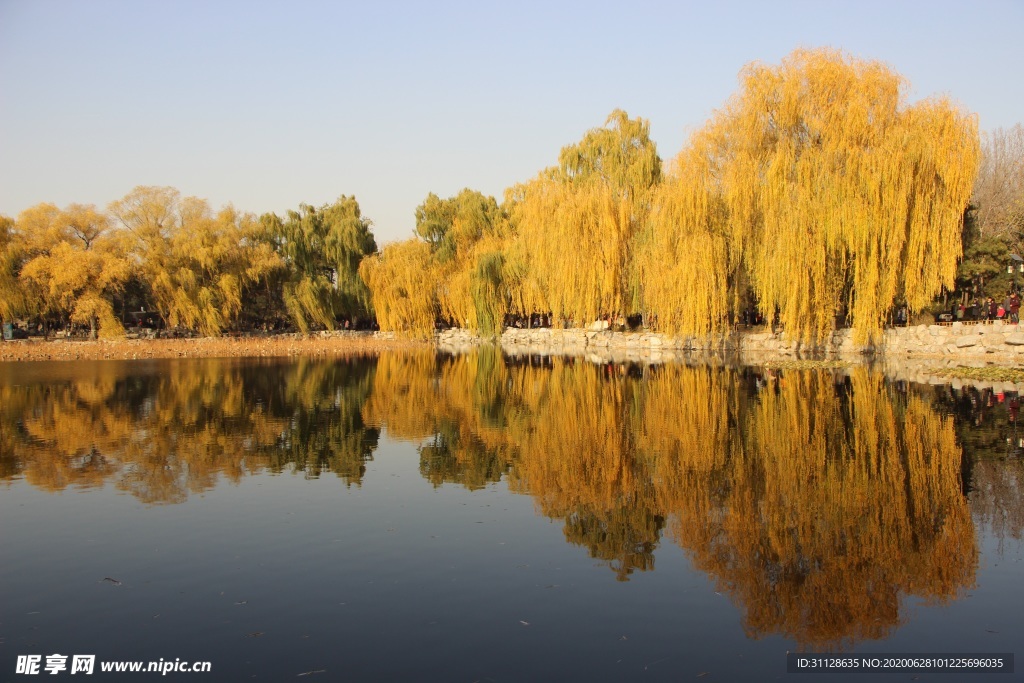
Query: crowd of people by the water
(987, 310)
(977, 310)
(616, 322)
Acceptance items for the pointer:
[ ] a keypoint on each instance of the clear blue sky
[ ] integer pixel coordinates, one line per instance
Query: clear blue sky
(267, 105)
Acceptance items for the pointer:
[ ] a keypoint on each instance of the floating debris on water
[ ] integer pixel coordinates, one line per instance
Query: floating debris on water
(988, 374)
(806, 364)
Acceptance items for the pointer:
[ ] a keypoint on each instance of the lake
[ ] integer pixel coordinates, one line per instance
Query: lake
(415, 516)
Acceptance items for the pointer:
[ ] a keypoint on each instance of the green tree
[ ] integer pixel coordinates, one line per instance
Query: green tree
(434, 219)
(466, 236)
(453, 226)
(12, 299)
(621, 156)
(322, 249)
(983, 271)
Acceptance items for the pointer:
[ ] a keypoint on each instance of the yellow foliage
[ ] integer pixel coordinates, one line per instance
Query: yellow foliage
(197, 263)
(803, 494)
(575, 225)
(816, 193)
(686, 258)
(574, 242)
(466, 235)
(192, 423)
(73, 267)
(813, 499)
(403, 397)
(839, 197)
(402, 287)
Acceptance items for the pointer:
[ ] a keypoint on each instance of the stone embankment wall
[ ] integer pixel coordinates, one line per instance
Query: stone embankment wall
(995, 341)
(918, 354)
(986, 342)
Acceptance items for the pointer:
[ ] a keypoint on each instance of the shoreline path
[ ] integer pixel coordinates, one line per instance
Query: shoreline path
(208, 347)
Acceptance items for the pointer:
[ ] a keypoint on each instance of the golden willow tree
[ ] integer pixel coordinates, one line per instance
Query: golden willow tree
(839, 198)
(211, 263)
(576, 224)
(196, 264)
(73, 266)
(403, 289)
(817, 194)
(466, 236)
(453, 269)
(685, 258)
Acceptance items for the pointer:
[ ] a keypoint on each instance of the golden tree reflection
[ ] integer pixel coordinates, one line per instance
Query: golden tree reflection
(562, 433)
(179, 428)
(823, 507)
(818, 501)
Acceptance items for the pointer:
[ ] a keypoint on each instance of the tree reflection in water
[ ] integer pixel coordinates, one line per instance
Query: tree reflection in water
(819, 501)
(178, 428)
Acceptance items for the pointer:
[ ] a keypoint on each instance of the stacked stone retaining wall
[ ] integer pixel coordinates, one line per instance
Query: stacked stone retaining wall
(995, 342)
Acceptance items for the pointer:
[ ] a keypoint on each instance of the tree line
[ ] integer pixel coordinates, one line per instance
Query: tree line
(190, 267)
(816, 195)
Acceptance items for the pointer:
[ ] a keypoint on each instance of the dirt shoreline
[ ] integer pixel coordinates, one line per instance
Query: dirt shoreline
(209, 347)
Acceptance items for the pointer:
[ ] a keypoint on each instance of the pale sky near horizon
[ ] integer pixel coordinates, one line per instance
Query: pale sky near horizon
(266, 105)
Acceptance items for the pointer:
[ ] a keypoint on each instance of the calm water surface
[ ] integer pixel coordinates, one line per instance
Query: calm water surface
(421, 517)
